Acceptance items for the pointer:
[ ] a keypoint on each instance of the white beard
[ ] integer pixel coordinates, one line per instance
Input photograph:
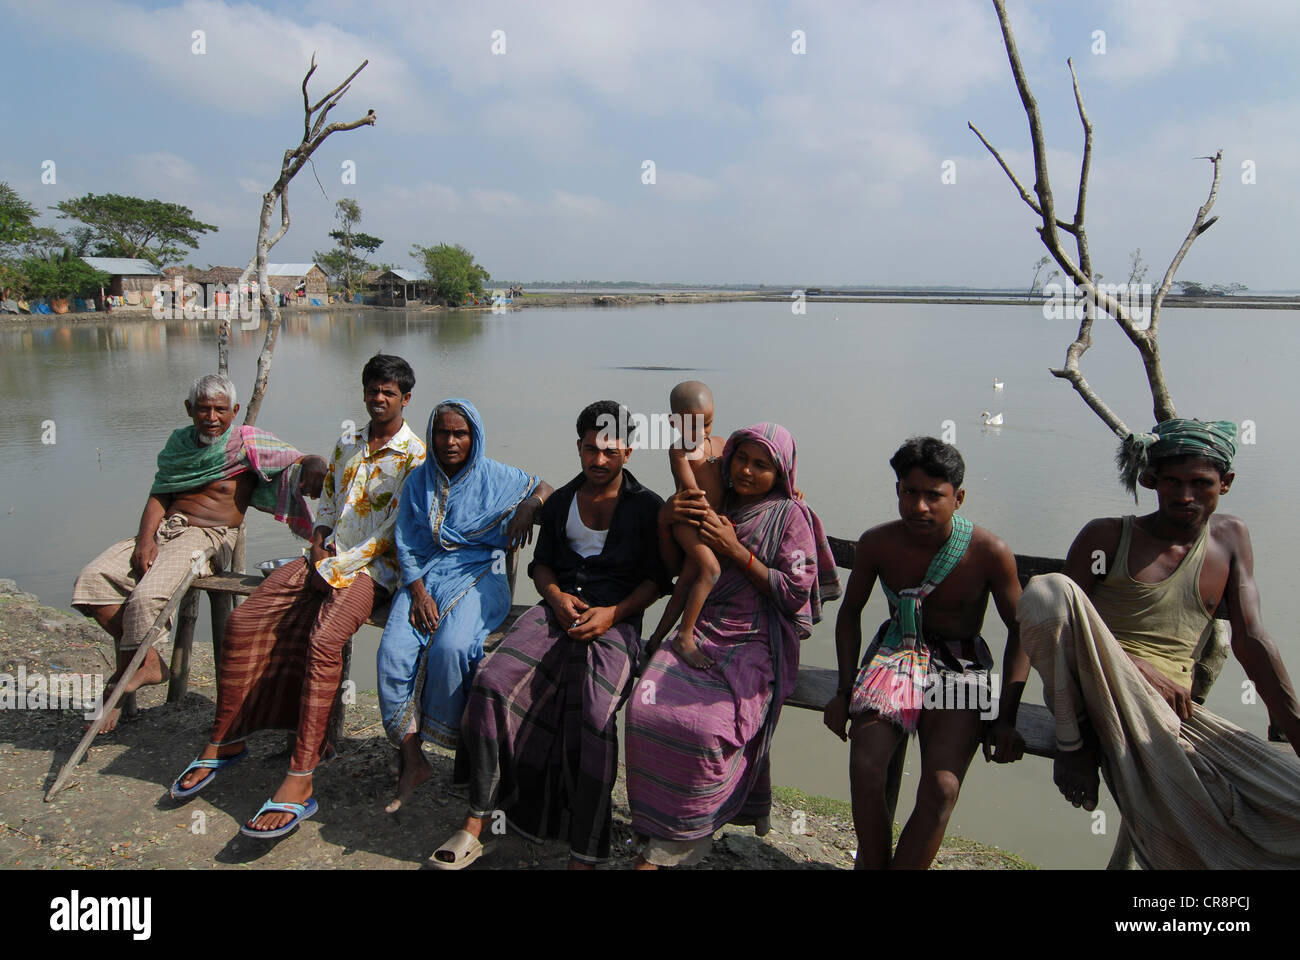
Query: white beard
(207, 441)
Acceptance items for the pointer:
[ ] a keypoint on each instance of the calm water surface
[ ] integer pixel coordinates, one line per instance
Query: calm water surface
(851, 381)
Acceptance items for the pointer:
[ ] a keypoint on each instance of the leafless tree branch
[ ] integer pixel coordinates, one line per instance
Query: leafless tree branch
(1080, 271)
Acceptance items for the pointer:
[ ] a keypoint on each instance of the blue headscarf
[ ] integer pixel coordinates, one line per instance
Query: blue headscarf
(450, 526)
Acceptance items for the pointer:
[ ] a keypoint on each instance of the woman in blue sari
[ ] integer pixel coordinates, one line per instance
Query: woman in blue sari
(460, 513)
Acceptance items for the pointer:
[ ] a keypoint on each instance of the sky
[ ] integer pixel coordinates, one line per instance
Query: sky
(847, 163)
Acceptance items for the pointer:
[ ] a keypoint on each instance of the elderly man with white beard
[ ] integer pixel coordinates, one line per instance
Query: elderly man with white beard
(208, 475)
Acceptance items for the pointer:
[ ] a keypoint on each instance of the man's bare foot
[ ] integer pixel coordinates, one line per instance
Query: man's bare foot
(150, 673)
(579, 865)
(641, 863)
(292, 790)
(684, 644)
(1077, 777)
(415, 770)
(210, 752)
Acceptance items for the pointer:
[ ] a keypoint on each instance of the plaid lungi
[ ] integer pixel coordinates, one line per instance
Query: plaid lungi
(1198, 793)
(109, 580)
(282, 659)
(541, 731)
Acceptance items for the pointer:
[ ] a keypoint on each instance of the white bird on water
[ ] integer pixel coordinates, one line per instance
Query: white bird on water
(997, 384)
(990, 420)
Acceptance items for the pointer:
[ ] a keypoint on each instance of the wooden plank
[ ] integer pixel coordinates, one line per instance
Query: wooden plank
(817, 685)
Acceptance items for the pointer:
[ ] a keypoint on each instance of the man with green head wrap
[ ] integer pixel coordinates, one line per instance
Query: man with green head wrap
(1116, 639)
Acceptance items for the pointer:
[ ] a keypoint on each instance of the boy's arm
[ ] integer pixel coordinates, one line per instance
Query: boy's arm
(848, 635)
(1251, 643)
(1002, 743)
(683, 475)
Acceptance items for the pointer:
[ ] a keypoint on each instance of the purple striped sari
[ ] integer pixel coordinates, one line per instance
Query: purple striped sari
(698, 740)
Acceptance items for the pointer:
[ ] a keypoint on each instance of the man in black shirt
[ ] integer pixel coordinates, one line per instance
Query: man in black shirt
(540, 730)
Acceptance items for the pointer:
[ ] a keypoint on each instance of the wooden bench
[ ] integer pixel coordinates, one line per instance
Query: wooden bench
(816, 685)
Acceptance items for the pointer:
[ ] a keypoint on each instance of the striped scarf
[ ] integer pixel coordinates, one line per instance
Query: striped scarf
(893, 683)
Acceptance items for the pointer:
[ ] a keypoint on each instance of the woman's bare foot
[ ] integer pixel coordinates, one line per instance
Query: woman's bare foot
(415, 770)
(210, 752)
(684, 644)
(292, 790)
(150, 673)
(641, 863)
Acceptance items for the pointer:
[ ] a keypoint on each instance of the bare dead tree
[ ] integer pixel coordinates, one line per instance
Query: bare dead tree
(1079, 269)
(314, 133)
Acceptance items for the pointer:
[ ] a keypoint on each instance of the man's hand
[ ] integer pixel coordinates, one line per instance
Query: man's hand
(592, 622)
(318, 553)
(836, 716)
(1179, 698)
(1003, 742)
(685, 506)
(424, 609)
(567, 607)
(145, 553)
(311, 477)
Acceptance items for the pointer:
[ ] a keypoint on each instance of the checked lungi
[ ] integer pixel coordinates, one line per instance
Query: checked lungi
(541, 731)
(282, 659)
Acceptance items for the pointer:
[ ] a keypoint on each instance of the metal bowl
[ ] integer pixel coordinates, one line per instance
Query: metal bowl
(266, 566)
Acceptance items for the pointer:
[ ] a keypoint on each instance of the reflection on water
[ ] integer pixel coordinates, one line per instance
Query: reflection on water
(850, 381)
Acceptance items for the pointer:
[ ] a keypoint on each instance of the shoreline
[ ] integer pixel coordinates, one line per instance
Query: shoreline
(116, 814)
(546, 300)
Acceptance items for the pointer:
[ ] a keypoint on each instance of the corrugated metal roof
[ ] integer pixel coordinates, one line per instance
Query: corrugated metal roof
(288, 269)
(406, 275)
(123, 265)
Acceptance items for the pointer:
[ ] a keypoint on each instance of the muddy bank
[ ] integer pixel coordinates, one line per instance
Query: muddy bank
(115, 813)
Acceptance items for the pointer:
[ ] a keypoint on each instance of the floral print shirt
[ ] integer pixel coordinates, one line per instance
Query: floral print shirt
(359, 503)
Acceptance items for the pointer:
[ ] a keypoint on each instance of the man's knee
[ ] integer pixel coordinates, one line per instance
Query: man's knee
(1045, 598)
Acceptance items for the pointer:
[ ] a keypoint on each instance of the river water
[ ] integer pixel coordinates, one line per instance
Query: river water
(850, 380)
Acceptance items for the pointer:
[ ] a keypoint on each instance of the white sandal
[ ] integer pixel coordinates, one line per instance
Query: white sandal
(464, 848)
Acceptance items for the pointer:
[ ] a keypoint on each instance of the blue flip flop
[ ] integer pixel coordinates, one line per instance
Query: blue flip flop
(181, 793)
(300, 813)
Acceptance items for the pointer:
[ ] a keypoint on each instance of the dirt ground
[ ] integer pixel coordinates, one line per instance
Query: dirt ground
(116, 812)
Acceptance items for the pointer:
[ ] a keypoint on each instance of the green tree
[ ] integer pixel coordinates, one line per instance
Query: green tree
(452, 271)
(63, 276)
(344, 263)
(130, 227)
(16, 219)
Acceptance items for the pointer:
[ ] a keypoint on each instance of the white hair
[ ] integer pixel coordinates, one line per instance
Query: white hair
(211, 386)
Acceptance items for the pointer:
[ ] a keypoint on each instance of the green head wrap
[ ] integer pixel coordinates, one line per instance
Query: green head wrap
(1214, 439)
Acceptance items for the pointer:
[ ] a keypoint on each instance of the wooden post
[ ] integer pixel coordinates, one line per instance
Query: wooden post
(180, 666)
(335, 735)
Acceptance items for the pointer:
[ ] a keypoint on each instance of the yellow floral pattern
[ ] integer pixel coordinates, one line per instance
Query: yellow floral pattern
(359, 503)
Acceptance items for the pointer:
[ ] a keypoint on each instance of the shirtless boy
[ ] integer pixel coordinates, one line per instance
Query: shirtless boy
(208, 476)
(900, 554)
(696, 465)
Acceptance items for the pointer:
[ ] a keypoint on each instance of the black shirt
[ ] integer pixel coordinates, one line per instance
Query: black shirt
(630, 555)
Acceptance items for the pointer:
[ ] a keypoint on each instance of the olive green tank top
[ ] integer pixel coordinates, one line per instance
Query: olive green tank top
(1165, 623)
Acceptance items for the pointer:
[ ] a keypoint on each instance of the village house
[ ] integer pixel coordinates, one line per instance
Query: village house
(129, 278)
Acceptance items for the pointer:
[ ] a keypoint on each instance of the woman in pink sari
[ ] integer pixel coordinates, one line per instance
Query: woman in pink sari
(698, 740)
